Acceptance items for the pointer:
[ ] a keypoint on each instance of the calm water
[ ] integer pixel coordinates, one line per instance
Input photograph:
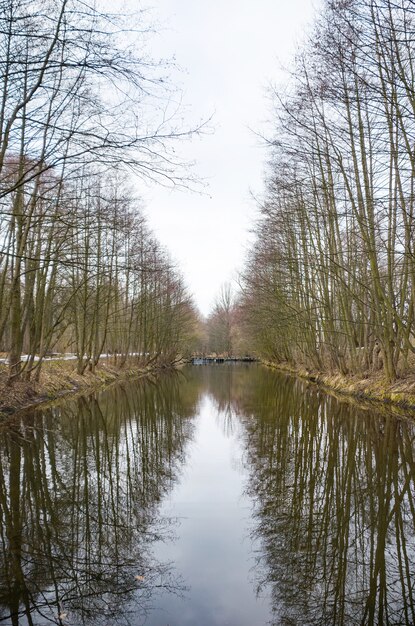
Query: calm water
(220, 495)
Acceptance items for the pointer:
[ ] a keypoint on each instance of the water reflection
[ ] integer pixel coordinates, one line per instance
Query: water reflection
(334, 504)
(84, 491)
(79, 493)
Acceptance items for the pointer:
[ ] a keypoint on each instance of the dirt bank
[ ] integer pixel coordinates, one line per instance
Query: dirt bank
(59, 378)
(373, 388)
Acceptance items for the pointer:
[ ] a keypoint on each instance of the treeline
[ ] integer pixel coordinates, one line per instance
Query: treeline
(81, 108)
(330, 279)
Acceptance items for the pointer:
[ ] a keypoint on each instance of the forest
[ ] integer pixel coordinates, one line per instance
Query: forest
(83, 111)
(329, 282)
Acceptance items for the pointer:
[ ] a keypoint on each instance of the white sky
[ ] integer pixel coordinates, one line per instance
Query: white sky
(229, 51)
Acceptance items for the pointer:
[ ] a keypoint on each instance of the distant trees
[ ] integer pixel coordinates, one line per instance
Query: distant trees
(80, 103)
(225, 332)
(330, 281)
(220, 323)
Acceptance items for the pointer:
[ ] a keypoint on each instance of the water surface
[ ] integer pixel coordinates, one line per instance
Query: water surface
(225, 494)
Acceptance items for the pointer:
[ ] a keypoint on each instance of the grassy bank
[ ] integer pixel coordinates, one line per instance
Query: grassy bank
(372, 388)
(60, 378)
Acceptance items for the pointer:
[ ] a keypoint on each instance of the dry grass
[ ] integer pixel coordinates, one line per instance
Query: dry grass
(59, 378)
(370, 387)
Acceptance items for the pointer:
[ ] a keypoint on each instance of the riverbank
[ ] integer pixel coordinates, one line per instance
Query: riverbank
(373, 388)
(60, 378)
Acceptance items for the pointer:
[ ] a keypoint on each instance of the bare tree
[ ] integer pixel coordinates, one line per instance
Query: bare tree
(331, 272)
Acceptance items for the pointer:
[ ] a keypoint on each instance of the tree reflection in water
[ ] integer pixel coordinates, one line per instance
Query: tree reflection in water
(334, 491)
(80, 487)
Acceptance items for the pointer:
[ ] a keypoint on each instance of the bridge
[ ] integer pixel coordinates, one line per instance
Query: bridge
(206, 360)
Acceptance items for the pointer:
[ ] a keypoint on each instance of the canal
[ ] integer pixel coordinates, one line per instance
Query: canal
(223, 494)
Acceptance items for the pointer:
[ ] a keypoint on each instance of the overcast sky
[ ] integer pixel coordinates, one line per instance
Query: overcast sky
(229, 52)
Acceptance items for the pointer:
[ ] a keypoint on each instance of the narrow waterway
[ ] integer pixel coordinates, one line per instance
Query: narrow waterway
(222, 494)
